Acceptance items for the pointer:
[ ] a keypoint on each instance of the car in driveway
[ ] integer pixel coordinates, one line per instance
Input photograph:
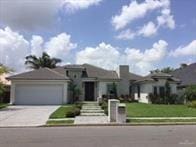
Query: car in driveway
(25, 115)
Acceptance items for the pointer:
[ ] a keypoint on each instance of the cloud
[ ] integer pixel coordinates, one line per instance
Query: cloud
(166, 19)
(60, 45)
(108, 56)
(148, 30)
(135, 11)
(126, 35)
(188, 50)
(36, 14)
(14, 47)
(142, 62)
(74, 5)
(104, 55)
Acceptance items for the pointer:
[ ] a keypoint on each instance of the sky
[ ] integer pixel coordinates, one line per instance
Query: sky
(144, 34)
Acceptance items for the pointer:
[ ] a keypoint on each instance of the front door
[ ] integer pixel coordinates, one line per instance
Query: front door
(89, 91)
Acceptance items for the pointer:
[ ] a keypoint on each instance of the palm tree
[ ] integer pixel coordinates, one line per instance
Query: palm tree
(39, 62)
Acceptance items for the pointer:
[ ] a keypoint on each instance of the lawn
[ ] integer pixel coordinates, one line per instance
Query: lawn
(3, 105)
(61, 111)
(153, 110)
(61, 122)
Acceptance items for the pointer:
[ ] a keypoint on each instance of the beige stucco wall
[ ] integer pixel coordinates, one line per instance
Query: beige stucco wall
(146, 88)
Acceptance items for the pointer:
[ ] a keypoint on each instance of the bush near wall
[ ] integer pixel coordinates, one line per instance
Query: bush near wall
(190, 93)
(169, 99)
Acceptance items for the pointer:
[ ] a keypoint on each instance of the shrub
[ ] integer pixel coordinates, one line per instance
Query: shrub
(73, 112)
(190, 93)
(192, 104)
(104, 106)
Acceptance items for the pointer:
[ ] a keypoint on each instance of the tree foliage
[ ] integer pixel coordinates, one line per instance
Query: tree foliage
(45, 60)
(190, 93)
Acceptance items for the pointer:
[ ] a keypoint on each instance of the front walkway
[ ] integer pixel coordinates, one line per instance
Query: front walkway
(21, 116)
(91, 113)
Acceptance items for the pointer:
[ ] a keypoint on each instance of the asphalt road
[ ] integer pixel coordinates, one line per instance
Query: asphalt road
(132, 136)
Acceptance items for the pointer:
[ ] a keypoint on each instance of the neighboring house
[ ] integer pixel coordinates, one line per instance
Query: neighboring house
(6, 96)
(51, 86)
(154, 83)
(187, 75)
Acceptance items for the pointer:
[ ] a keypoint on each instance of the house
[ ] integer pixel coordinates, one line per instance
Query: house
(52, 86)
(187, 75)
(6, 95)
(155, 83)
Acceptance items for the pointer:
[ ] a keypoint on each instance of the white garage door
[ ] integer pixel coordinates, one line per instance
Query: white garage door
(38, 94)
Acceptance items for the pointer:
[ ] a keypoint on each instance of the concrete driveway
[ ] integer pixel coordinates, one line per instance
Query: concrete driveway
(16, 116)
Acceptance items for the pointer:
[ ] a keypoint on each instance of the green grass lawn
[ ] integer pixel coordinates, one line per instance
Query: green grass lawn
(3, 105)
(61, 111)
(153, 110)
(61, 122)
(159, 120)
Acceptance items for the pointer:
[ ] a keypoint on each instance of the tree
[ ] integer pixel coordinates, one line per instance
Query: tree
(45, 60)
(3, 69)
(190, 93)
(164, 70)
(75, 92)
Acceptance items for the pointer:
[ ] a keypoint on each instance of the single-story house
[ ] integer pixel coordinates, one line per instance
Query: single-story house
(155, 83)
(51, 86)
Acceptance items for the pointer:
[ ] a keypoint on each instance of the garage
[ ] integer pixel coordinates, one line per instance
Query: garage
(38, 94)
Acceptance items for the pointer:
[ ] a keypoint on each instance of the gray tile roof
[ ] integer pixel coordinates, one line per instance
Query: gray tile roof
(59, 73)
(133, 76)
(153, 76)
(40, 74)
(100, 73)
(187, 75)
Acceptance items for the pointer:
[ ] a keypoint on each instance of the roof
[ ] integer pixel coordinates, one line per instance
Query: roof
(133, 76)
(59, 73)
(154, 76)
(39, 74)
(187, 75)
(100, 73)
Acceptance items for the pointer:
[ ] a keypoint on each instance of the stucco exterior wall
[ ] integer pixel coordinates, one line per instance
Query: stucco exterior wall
(147, 88)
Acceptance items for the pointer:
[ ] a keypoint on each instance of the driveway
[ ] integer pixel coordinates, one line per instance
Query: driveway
(16, 116)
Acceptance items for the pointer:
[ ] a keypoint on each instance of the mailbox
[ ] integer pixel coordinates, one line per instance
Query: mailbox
(121, 113)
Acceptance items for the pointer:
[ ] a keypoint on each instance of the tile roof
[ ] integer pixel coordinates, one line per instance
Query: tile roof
(187, 75)
(39, 74)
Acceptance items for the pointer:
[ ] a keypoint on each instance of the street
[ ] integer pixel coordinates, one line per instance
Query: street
(102, 136)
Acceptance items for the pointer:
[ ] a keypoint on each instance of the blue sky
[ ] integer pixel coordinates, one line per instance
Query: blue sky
(145, 34)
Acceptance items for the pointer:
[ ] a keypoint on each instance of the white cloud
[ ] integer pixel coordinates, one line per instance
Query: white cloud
(36, 14)
(187, 50)
(142, 62)
(148, 30)
(37, 45)
(135, 11)
(126, 35)
(14, 47)
(74, 5)
(60, 45)
(108, 56)
(166, 19)
(104, 55)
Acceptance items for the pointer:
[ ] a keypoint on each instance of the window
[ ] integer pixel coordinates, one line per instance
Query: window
(162, 91)
(155, 91)
(67, 73)
(109, 88)
(138, 91)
